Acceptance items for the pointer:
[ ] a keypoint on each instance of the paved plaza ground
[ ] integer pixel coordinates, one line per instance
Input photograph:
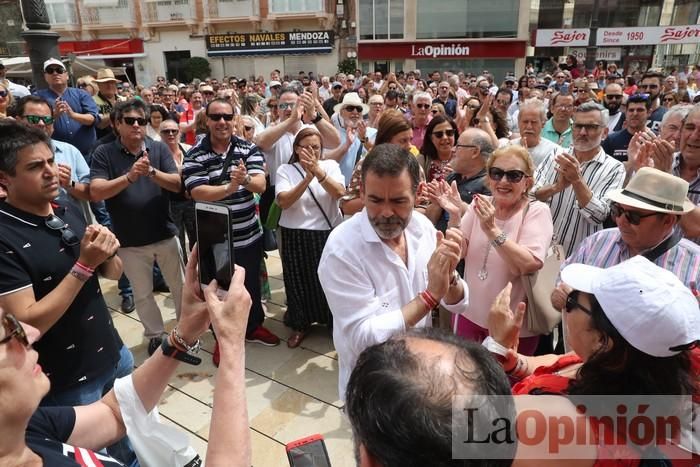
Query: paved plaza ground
(291, 393)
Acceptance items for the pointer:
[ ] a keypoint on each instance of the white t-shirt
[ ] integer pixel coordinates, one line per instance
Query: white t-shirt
(304, 213)
(280, 153)
(541, 151)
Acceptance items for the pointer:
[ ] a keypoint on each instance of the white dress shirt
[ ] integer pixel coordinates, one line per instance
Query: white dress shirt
(366, 283)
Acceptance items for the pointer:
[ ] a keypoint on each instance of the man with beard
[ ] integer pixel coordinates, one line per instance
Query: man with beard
(616, 144)
(531, 119)
(651, 84)
(378, 272)
(612, 101)
(575, 185)
(335, 99)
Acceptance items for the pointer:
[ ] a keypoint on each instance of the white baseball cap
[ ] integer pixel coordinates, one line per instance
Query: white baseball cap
(649, 306)
(53, 61)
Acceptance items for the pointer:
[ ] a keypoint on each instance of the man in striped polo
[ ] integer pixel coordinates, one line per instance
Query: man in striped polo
(244, 176)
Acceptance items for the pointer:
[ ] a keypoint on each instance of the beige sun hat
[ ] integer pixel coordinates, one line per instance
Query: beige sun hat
(654, 190)
(351, 99)
(105, 75)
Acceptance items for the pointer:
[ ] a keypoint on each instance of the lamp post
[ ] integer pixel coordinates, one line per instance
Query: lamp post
(41, 42)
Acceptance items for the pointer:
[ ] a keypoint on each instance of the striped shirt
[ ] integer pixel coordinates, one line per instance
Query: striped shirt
(606, 248)
(202, 166)
(693, 188)
(573, 223)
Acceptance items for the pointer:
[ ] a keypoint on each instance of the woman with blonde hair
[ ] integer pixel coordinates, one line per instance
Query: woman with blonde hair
(5, 99)
(506, 237)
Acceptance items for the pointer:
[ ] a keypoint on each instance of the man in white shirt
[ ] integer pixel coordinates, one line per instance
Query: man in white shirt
(377, 270)
(531, 119)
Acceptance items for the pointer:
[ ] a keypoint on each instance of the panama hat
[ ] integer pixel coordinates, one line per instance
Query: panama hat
(351, 99)
(106, 75)
(654, 190)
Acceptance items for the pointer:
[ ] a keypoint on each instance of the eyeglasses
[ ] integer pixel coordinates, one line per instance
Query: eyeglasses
(666, 99)
(131, 120)
(311, 147)
(423, 106)
(353, 108)
(68, 237)
(218, 117)
(285, 105)
(633, 217)
(169, 131)
(248, 128)
(54, 69)
(13, 328)
(648, 86)
(586, 126)
(441, 134)
(35, 119)
(513, 176)
(572, 304)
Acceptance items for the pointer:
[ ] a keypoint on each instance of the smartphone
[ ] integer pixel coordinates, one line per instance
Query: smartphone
(215, 243)
(308, 452)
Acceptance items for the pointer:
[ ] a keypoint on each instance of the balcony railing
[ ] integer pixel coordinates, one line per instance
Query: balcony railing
(164, 11)
(107, 12)
(222, 9)
(62, 13)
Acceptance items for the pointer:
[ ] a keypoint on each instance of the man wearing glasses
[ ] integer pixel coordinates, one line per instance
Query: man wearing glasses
(558, 128)
(49, 269)
(651, 84)
(75, 112)
(444, 98)
(420, 116)
(133, 175)
(612, 100)
(575, 183)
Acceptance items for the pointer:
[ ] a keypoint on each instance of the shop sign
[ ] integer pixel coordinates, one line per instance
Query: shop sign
(376, 50)
(562, 37)
(649, 36)
(601, 53)
(270, 43)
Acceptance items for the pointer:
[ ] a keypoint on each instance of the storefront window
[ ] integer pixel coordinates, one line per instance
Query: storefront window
(686, 12)
(472, 19)
(296, 6)
(499, 68)
(621, 13)
(381, 19)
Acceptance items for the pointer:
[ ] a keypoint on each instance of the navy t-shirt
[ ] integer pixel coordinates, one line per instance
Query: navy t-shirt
(616, 144)
(47, 433)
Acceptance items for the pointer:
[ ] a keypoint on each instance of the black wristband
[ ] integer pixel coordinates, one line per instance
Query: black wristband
(317, 119)
(173, 352)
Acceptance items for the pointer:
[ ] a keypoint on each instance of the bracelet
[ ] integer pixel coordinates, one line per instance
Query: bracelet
(80, 274)
(126, 175)
(500, 239)
(323, 179)
(430, 301)
(180, 342)
(519, 371)
(85, 268)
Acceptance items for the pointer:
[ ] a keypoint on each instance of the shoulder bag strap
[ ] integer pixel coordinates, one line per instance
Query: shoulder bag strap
(330, 226)
(671, 241)
(227, 162)
(527, 208)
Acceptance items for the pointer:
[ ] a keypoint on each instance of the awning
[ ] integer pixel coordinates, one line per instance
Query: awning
(270, 51)
(20, 67)
(108, 57)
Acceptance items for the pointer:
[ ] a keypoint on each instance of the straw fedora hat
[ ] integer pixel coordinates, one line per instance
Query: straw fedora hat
(105, 75)
(353, 99)
(654, 190)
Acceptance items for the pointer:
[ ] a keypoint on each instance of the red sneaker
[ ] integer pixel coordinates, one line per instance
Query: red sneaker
(216, 357)
(262, 336)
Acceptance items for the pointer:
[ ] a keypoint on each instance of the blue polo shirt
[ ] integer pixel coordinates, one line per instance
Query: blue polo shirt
(65, 128)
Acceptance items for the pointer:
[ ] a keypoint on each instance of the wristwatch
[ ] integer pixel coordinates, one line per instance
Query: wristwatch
(317, 118)
(152, 172)
(177, 354)
(499, 240)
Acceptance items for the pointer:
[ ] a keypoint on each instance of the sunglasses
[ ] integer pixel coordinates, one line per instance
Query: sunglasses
(441, 134)
(434, 111)
(248, 128)
(613, 96)
(669, 99)
(82, 85)
(3, 93)
(218, 117)
(131, 120)
(68, 237)
(55, 69)
(513, 176)
(285, 105)
(633, 217)
(168, 132)
(423, 106)
(13, 328)
(35, 119)
(353, 108)
(572, 304)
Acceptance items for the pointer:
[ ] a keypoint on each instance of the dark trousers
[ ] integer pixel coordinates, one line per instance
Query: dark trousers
(250, 258)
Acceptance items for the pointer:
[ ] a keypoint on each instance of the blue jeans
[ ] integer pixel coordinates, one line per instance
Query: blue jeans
(93, 391)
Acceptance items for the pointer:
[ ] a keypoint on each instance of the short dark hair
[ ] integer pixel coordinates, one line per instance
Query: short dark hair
(507, 92)
(400, 406)
(132, 105)
(157, 108)
(14, 137)
(653, 74)
(639, 98)
(30, 99)
(392, 160)
(219, 100)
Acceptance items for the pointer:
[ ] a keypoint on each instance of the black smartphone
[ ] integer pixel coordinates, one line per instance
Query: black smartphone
(215, 243)
(308, 452)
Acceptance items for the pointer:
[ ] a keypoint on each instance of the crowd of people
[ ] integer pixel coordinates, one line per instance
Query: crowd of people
(398, 203)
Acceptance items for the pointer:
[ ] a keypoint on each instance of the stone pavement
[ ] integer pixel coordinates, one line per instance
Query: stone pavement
(291, 393)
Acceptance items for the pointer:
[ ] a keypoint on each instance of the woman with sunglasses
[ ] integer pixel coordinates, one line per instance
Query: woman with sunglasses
(73, 436)
(669, 99)
(632, 329)
(437, 149)
(5, 99)
(507, 236)
(307, 189)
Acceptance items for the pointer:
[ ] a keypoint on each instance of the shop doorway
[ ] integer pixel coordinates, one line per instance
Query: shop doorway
(175, 62)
